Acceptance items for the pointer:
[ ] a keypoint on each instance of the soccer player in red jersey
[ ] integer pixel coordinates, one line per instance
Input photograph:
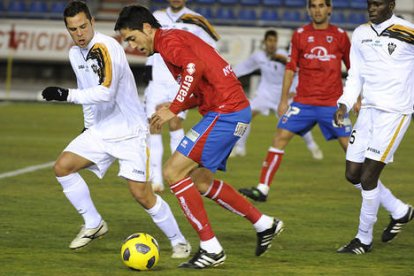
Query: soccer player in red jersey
(317, 51)
(206, 80)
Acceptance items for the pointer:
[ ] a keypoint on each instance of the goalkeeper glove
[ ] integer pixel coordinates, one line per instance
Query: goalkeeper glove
(55, 93)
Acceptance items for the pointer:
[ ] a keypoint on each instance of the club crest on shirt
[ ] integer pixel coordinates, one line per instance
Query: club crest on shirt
(329, 39)
(391, 47)
(191, 68)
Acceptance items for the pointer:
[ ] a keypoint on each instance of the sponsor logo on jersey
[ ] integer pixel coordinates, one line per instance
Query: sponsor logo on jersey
(319, 53)
(391, 47)
(191, 68)
(184, 88)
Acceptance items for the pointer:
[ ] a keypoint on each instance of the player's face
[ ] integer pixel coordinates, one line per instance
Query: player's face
(140, 40)
(176, 5)
(379, 10)
(319, 11)
(80, 29)
(270, 44)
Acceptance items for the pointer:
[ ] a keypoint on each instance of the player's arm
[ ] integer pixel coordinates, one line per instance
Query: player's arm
(103, 92)
(202, 22)
(291, 68)
(346, 44)
(284, 98)
(246, 67)
(354, 81)
(280, 58)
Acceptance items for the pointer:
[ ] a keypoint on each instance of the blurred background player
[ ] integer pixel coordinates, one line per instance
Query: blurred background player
(116, 128)
(382, 66)
(271, 62)
(162, 87)
(316, 51)
(207, 81)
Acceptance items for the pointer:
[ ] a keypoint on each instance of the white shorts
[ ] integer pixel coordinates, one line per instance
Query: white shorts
(376, 135)
(133, 155)
(157, 93)
(262, 104)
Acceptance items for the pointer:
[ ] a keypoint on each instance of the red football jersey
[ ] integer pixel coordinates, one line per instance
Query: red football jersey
(206, 79)
(318, 56)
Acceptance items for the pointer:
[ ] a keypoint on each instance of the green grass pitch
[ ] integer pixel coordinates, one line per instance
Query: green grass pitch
(319, 208)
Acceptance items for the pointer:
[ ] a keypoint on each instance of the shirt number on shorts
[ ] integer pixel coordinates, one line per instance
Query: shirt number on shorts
(292, 111)
(240, 129)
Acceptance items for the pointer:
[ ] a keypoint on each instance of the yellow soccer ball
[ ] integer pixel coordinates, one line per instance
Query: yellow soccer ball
(140, 251)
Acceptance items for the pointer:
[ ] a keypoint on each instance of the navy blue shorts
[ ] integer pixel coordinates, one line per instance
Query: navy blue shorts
(210, 142)
(301, 118)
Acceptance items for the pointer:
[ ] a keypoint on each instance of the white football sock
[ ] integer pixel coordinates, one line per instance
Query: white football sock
(264, 223)
(310, 142)
(368, 215)
(175, 138)
(392, 204)
(156, 151)
(163, 217)
(263, 188)
(77, 192)
(211, 246)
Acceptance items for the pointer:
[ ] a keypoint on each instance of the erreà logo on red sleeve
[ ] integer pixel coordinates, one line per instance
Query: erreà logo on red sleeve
(190, 68)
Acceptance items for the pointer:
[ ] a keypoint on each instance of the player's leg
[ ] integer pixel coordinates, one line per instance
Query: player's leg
(297, 120)
(222, 136)
(312, 146)
(381, 139)
(176, 130)
(362, 243)
(76, 156)
(132, 166)
(226, 196)
(162, 216)
(154, 96)
(177, 174)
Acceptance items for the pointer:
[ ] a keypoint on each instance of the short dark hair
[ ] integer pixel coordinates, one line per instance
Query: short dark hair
(327, 2)
(133, 17)
(270, 33)
(75, 7)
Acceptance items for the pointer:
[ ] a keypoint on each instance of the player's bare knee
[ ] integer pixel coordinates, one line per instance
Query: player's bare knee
(169, 174)
(352, 177)
(369, 181)
(62, 169)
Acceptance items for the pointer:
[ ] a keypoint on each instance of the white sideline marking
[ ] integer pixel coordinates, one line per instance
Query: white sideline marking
(27, 170)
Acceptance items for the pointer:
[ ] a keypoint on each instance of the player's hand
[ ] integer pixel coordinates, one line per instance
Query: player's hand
(339, 115)
(159, 106)
(161, 116)
(282, 108)
(55, 93)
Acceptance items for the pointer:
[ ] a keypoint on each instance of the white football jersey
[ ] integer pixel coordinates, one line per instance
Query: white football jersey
(382, 67)
(106, 89)
(168, 20)
(271, 80)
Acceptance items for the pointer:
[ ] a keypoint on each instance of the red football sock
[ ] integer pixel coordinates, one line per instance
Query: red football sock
(270, 166)
(229, 198)
(191, 203)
